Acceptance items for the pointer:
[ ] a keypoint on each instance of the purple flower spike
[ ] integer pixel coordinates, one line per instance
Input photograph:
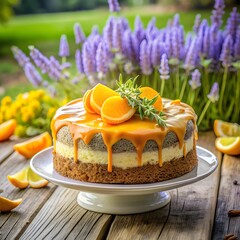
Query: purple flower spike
(117, 36)
(32, 74)
(176, 20)
(145, 58)
(197, 23)
(79, 34)
(107, 32)
(206, 43)
(191, 56)
(155, 53)
(54, 69)
(237, 45)
(20, 56)
(39, 59)
(64, 47)
(195, 81)
(233, 23)
(88, 63)
(217, 13)
(164, 68)
(213, 96)
(101, 61)
(226, 54)
(113, 6)
(127, 46)
(78, 58)
(139, 29)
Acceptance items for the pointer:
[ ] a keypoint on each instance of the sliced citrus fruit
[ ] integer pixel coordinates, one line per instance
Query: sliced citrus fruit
(86, 101)
(7, 205)
(7, 129)
(150, 93)
(99, 94)
(36, 181)
(19, 179)
(29, 148)
(228, 145)
(116, 110)
(224, 129)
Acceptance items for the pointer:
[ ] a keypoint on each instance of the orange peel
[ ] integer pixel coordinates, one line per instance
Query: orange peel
(224, 129)
(228, 145)
(35, 181)
(86, 101)
(6, 205)
(7, 129)
(19, 179)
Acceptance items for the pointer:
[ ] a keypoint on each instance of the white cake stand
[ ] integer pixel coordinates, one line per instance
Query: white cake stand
(123, 198)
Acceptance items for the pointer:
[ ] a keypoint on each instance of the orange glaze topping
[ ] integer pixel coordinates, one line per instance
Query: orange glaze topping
(83, 125)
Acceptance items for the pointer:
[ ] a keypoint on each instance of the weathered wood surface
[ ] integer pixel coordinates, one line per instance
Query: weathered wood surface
(12, 224)
(228, 198)
(53, 213)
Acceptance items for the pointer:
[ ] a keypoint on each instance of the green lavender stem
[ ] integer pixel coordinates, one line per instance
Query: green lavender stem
(184, 86)
(155, 79)
(192, 97)
(203, 112)
(223, 89)
(177, 82)
(162, 87)
(237, 109)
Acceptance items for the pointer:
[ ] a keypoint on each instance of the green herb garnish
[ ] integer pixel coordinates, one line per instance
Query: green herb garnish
(131, 91)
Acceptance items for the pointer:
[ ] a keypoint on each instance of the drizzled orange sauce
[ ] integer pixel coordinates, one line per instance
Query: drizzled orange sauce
(83, 125)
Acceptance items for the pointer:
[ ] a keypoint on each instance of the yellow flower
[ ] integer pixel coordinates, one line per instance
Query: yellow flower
(51, 112)
(20, 131)
(1, 119)
(27, 116)
(6, 101)
(8, 114)
(34, 105)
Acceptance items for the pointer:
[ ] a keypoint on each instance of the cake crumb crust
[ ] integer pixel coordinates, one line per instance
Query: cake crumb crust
(98, 173)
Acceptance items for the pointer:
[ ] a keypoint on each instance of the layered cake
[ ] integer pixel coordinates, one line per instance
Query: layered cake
(89, 147)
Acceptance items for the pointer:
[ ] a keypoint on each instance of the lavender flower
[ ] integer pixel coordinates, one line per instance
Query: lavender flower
(145, 58)
(63, 47)
(79, 34)
(197, 23)
(213, 96)
(32, 74)
(20, 56)
(195, 81)
(206, 43)
(113, 6)
(39, 59)
(107, 32)
(237, 45)
(127, 46)
(226, 54)
(217, 13)
(164, 68)
(139, 29)
(128, 67)
(117, 36)
(176, 21)
(78, 58)
(192, 54)
(101, 61)
(52, 90)
(54, 69)
(155, 53)
(87, 59)
(232, 24)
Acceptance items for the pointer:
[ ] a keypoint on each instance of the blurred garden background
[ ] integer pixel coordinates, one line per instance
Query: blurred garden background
(42, 22)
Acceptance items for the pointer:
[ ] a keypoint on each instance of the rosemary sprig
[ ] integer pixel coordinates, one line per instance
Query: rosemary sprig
(131, 91)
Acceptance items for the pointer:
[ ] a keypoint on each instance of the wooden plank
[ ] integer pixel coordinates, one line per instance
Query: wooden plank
(6, 149)
(228, 199)
(12, 223)
(190, 214)
(62, 218)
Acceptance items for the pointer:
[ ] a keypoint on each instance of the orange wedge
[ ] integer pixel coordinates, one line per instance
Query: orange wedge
(86, 101)
(7, 129)
(224, 129)
(29, 148)
(99, 94)
(36, 181)
(228, 145)
(19, 179)
(150, 93)
(7, 205)
(116, 110)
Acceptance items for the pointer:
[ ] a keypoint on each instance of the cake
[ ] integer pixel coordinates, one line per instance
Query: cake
(138, 150)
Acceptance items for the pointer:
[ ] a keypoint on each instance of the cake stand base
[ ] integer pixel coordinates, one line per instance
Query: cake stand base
(122, 204)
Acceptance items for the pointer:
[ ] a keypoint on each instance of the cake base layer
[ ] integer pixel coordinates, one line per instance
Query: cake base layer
(98, 173)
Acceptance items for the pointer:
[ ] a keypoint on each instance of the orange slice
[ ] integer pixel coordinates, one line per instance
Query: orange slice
(19, 179)
(224, 129)
(99, 94)
(29, 148)
(7, 129)
(116, 110)
(7, 205)
(228, 145)
(86, 101)
(150, 93)
(36, 181)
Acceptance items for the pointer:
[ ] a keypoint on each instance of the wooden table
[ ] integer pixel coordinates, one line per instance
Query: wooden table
(197, 211)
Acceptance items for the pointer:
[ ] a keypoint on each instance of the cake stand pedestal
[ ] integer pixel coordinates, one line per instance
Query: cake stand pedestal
(122, 204)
